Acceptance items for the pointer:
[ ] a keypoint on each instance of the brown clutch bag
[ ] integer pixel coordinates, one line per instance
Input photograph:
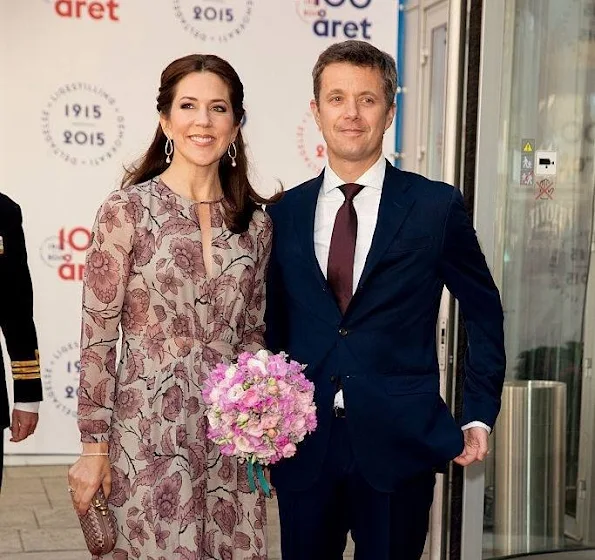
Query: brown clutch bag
(99, 526)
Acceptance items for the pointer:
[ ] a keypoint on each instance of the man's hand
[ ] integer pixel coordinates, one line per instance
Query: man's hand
(476, 447)
(23, 424)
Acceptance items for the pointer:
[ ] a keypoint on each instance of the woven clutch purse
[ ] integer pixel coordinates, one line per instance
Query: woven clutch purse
(99, 526)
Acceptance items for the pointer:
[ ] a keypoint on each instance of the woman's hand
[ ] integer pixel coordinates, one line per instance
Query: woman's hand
(87, 475)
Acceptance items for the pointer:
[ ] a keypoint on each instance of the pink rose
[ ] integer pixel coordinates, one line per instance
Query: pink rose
(298, 424)
(254, 428)
(228, 449)
(270, 421)
(289, 450)
(250, 398)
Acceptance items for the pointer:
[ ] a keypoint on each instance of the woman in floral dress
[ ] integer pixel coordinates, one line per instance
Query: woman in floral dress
(178, 262)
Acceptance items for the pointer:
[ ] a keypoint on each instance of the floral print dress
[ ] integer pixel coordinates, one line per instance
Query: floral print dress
(186, 293)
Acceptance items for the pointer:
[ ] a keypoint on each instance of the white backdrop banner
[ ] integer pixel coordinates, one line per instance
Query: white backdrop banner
(77, 102)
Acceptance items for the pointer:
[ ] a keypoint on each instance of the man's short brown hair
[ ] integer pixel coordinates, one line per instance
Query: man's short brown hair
(358, 53)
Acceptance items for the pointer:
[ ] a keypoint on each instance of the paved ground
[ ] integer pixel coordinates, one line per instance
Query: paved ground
(37, 521)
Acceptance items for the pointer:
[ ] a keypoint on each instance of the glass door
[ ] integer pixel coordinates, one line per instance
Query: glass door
(538, 494)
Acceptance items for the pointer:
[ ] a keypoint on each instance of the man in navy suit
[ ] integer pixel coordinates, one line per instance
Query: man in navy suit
(360, 257)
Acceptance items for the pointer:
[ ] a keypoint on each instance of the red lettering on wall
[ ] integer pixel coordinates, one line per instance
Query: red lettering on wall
(81, 8)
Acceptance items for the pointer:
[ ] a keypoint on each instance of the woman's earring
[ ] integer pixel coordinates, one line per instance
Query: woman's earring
(235, 153)
(169, 150)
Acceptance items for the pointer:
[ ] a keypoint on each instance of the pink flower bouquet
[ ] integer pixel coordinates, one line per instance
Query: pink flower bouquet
(259, 408)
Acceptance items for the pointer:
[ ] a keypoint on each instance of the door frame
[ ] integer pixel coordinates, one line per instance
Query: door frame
(421, 17)
(485, 218)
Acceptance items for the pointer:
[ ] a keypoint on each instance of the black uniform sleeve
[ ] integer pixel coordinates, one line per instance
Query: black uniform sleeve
(16, 311)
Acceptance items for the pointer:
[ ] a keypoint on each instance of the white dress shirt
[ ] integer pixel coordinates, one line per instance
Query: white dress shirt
(27, 406)
(366, 204)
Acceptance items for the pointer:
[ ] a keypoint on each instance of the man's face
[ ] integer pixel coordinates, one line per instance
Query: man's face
(351, 111)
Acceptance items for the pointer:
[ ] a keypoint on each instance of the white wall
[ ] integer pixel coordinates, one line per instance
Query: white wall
(106, 57)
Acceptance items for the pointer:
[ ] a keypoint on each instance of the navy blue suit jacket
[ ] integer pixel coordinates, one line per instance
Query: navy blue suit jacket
(384, 348)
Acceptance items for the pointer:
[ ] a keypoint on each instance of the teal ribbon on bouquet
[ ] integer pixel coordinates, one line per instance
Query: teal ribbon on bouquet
(255, 472)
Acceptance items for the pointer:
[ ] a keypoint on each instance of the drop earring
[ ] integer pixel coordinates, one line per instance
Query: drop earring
(169, 150)
(235, 153)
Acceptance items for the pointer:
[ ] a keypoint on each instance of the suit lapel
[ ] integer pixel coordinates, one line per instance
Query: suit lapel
(304, 213)
(395, 205)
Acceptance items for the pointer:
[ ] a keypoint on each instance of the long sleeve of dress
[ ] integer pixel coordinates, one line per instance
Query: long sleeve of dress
(106, 275)
(253, 338)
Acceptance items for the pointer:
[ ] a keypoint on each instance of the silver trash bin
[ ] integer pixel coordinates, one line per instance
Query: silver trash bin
(530, 467)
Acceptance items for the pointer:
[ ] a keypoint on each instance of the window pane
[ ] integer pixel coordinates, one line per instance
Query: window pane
(547, 143)
(437, 99)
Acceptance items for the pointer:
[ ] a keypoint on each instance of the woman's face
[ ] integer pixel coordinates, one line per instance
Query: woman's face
(201, 122)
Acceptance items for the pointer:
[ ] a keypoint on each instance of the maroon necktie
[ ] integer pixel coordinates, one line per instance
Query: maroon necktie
(342, 249)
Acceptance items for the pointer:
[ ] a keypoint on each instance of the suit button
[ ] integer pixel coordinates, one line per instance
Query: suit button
(333, 378)
(343, 332)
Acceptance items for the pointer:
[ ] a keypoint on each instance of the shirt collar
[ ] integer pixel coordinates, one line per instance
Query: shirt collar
(373, 177)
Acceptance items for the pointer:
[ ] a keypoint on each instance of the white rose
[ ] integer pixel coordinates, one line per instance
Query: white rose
(214, 419)
(235, 393)
(253, 362)
(263, 355)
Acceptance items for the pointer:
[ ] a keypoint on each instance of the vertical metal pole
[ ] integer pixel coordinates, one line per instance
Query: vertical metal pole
(473, 478)
(457, 16)
(446, 530)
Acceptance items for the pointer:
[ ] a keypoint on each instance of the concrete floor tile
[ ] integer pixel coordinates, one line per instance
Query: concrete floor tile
(52, 539)
(10, 501)
(10, 541)
(57, 491)
(58, 517)
(59, 555)
(349, 549)
(37, 471)
(49, 528)
(23, 485)
(17, 518)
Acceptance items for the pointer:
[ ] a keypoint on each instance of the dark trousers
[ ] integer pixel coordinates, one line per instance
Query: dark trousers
(384, 526)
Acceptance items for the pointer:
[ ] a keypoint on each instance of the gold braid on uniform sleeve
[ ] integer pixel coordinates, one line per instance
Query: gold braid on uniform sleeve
(26, 369)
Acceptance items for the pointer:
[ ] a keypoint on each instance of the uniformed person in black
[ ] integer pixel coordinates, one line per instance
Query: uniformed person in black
(16, 323)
